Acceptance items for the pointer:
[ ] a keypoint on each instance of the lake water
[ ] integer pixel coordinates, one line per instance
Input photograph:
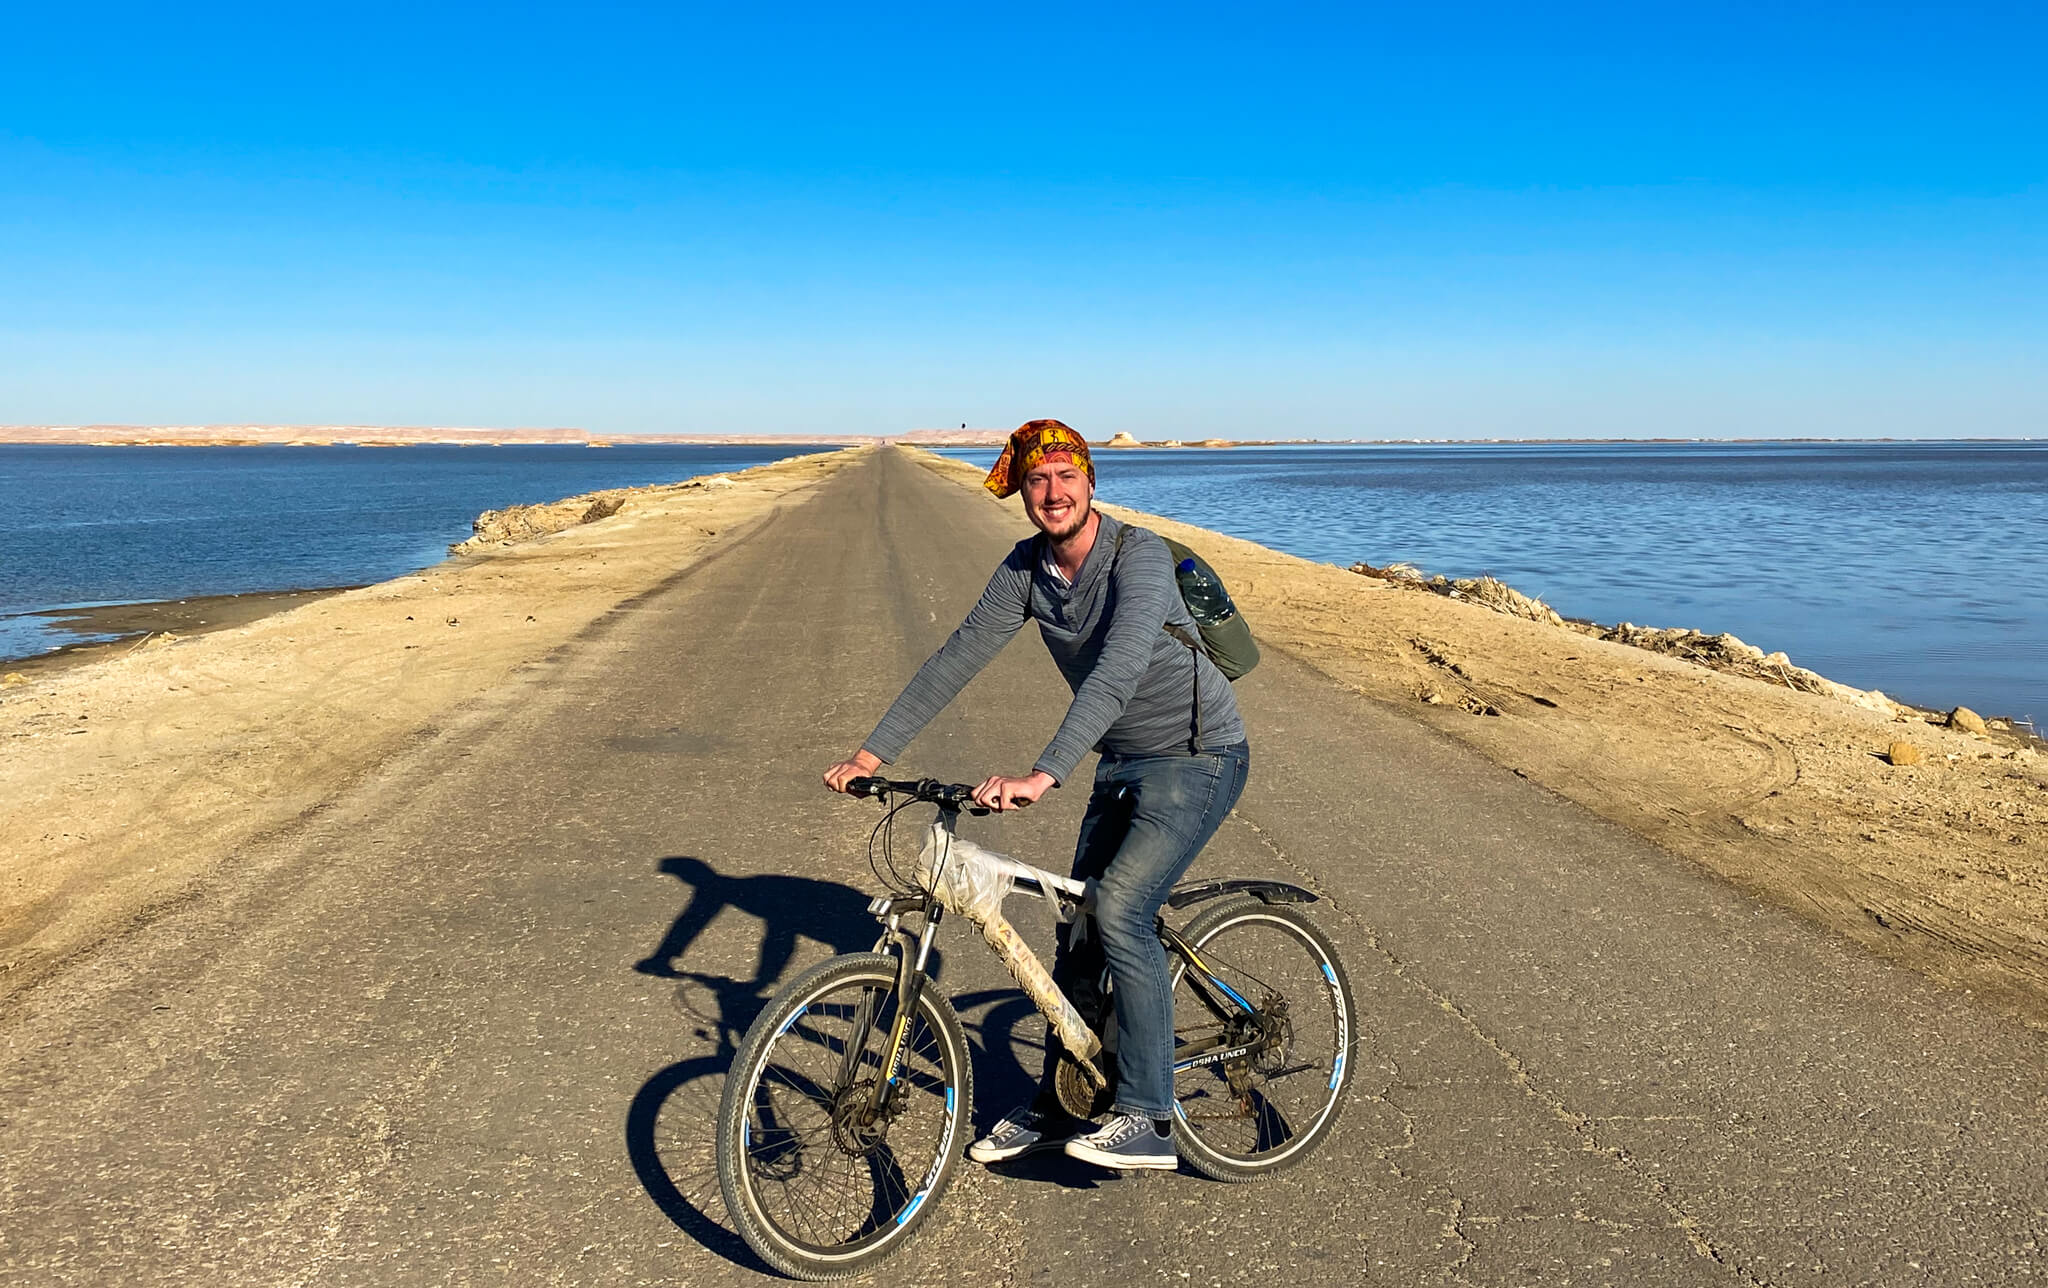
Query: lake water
(1917, 568)
(111, 525)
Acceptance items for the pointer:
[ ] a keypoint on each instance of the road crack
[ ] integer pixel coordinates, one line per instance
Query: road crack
(1581, 1125)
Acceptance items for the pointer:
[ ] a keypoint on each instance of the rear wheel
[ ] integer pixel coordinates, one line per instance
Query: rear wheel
(818, 1182)
(1263, 1111)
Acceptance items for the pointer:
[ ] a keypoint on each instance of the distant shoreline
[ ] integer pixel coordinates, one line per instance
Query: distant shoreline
(380, 436)
(418, 436)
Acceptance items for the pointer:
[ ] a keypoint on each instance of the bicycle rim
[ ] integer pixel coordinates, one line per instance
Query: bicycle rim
(1266, 1111)
(818, 1189)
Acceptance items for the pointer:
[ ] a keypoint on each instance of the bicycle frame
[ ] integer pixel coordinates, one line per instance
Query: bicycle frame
(913, 952)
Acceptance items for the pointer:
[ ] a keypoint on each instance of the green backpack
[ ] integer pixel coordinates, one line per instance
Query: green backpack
(1226, 638)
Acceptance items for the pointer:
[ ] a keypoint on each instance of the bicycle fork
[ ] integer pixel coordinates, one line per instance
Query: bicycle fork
(910, 981)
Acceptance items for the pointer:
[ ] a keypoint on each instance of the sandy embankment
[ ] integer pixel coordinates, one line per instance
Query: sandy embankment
(126, 780)
(1941, 865)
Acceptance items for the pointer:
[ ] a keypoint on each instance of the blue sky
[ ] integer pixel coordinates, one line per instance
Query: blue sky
(1521, 221)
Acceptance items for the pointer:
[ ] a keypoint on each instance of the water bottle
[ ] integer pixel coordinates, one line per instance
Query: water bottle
(1206, 599)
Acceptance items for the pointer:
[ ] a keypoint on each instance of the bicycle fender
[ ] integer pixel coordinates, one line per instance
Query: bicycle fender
(1263, 890)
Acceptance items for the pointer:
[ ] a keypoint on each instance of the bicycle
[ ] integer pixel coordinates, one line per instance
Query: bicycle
(845, 1110)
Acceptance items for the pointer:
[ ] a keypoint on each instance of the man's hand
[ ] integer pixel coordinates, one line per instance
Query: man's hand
(861, 765)
(999, 793)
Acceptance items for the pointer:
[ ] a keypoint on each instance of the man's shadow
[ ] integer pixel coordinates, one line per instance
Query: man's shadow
(788, 908)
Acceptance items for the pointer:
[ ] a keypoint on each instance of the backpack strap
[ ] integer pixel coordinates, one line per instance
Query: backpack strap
(1194, 660)
(1193, 643)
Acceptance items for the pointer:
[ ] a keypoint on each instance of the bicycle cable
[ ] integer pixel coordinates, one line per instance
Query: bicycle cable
(884, 832)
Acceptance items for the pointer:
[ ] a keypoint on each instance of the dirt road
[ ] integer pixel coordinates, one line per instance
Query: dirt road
(468, 1022)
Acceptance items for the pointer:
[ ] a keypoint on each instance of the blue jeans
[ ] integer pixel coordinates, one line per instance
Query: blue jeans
(1148, 817)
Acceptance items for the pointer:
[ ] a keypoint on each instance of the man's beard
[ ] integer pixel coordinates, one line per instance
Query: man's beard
(1078, 519)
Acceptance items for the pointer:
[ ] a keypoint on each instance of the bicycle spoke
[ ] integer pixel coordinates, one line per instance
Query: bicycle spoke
(863, 1024)
(1257, 1105)
(829, 1165)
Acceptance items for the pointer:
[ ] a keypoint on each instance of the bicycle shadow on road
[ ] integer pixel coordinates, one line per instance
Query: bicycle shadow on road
(671, 1121)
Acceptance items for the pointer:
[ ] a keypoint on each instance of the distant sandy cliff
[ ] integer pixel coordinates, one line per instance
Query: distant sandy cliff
(370, 436)
(416, 435)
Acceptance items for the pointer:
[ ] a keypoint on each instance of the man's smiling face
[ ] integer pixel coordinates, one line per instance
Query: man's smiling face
(1057, 496)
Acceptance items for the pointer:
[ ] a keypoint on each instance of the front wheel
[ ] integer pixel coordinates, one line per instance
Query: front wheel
(820, 1181)
(1286, 1004)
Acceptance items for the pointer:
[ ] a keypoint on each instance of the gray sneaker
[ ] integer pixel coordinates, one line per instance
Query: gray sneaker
(1024, 1130)
(1126, 1141)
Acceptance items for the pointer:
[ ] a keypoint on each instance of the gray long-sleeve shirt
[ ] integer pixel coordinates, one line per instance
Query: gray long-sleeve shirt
(1133, 683)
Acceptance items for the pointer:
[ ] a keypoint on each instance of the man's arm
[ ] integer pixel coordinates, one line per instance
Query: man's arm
(1143, 584)
(995, 618)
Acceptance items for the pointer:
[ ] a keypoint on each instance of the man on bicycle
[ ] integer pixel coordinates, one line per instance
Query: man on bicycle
(1174, 759)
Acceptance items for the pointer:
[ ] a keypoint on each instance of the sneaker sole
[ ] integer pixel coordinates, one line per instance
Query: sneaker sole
(1122, 1162)
(1005, 1155)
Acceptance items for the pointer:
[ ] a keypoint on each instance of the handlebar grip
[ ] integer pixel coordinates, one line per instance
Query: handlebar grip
(866, 786)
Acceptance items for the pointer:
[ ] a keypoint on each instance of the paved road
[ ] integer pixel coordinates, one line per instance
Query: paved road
(408, 1044)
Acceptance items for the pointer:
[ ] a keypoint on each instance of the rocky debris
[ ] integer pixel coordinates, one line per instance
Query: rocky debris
(1968, 721)
(525, 522)
(1487, 592)
(1405, 574)
(1721, 652)
(1472, 700)
(1121, 439)
(1903, 753)
(1724, 652)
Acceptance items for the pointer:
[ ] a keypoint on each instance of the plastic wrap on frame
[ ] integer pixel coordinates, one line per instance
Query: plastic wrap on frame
(970, 882)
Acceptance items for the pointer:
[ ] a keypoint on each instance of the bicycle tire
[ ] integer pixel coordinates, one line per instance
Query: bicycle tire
(1233, 1134)
(783, 1082)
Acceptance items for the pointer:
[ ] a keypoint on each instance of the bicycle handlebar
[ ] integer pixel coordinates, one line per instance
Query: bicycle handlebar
(929, 790)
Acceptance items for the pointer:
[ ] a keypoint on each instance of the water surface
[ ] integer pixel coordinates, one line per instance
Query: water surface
(109, 525)
(1917, 568)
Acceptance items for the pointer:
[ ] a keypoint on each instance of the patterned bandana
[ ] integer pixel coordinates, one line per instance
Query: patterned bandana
(1034, 443)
